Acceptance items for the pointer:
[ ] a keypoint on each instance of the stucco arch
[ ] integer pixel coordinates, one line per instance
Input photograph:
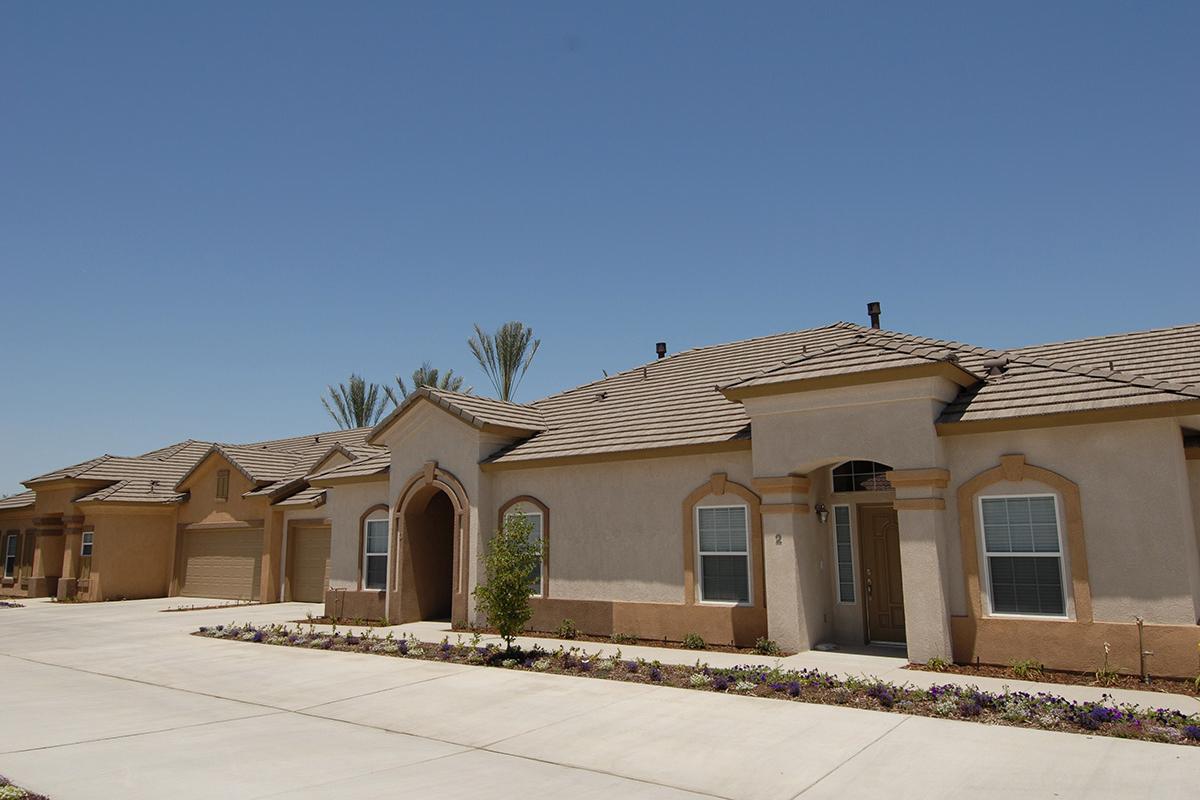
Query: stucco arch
(421, 487)
(719, 485)
(1014, 469)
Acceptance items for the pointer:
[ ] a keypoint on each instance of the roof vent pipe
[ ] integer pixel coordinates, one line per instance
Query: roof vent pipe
(660, 348)
(874, 311)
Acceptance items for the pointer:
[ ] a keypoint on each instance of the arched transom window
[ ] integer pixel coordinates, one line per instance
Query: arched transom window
(861, 476)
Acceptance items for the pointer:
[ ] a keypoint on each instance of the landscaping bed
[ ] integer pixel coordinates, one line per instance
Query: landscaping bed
(10, 604)
(10, 792)
(1043, 675)
(765, 647)
(1019, 709)
(234, 604)
(355, 621)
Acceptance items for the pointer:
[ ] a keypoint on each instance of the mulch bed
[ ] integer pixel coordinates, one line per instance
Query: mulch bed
(1061, 677)
(210, 607)
(360, 623)
(630, 641)
(1019, 709)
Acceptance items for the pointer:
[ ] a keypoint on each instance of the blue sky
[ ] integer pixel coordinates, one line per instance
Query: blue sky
(209, 211)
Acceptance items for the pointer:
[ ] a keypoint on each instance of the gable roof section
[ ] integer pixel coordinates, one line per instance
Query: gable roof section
(483, 413)
(368, 468)
(867, 358)
(19, 500)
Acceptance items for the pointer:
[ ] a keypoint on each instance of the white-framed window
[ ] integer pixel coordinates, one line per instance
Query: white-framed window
(85, 549)
(10, 555)
(1023, 555)
(723, 552)
(537, 526)
(375, 554)
(843, 550)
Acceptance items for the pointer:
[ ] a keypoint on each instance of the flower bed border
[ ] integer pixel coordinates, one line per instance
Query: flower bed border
(1041, 711)
(28, 795)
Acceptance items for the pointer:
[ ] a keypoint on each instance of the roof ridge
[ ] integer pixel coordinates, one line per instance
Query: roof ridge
(485, 398)
(1118, 335)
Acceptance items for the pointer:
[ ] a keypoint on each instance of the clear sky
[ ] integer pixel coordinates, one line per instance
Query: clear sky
(209, 211)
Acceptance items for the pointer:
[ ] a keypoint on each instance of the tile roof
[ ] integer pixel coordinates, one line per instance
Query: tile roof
(378, 464)
(480, 412)
(313, 496)
(19, 500)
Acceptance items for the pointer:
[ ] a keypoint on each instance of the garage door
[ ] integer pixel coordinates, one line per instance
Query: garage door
(225, 564)
(310, 564)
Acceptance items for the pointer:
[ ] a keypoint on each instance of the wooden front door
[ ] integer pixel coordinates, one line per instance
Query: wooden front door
(883, 589)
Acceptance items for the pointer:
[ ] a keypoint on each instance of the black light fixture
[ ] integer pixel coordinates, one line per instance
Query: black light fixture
(822, 513)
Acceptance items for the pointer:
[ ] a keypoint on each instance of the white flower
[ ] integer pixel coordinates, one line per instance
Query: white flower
(699, 679)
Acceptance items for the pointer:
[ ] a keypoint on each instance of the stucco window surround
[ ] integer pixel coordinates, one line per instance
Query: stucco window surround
(12, 549)
(530, 505)
(1013, 469)
(372, 517)
(720, 492)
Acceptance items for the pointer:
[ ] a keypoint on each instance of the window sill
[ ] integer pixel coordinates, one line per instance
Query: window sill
(1032, 617)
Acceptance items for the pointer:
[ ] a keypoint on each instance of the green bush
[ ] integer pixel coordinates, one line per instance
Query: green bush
(937, 664)
(504, 594)
(566, 629)
(766, 647)
(623, 638)
(694, 641)
(1026, 669)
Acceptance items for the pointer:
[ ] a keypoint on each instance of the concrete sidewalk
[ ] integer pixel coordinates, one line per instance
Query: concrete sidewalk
(118, 700)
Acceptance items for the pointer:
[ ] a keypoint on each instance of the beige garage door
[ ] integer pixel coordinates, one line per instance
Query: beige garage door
(226, 564)
(310, 564)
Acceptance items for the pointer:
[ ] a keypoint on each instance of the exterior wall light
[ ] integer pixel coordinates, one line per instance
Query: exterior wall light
(822, 513)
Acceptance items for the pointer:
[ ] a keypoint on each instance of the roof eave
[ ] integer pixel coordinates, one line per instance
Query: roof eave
(1157, 410)
(934, 369)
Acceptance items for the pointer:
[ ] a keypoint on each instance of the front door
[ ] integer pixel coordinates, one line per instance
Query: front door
(879, 543)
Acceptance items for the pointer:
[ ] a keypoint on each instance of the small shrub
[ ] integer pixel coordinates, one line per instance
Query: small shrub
(699, 679)
(566, 629)
(623, 638)
(937, 664)
(694, 641)
(504, 594)
(766, 647)
(1026, 669)
(743, 686)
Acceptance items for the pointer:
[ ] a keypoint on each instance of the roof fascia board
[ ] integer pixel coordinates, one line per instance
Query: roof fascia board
(731, 445)
(1170, 408)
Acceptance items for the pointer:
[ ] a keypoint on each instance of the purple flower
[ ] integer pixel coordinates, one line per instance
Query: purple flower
(655, 674)
(1192, 732)
(793, 689)
(632, 666)
(970, 708)
(720, 682)
(403, 645)
(258, 636)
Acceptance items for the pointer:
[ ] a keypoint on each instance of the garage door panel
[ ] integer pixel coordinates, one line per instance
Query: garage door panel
(310, 564)
(222, 564)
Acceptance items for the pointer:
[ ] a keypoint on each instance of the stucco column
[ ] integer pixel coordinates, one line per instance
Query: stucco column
(921, 512)
(68, 583)
(792, 563)
(47, 556)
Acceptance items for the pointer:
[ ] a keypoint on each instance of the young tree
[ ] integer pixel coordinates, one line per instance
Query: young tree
(427, 375)
(505, 355)
(358, 405)
(509, 564)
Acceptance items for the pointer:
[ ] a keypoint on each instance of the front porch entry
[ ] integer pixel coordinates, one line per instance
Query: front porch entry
(881, 579)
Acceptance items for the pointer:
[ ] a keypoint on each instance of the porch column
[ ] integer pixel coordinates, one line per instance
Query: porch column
(68, 584)
(47, 556)
(792, 560)
(921, 512)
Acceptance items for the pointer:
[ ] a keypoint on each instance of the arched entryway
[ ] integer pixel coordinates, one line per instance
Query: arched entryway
(427, 557)
(430, 528)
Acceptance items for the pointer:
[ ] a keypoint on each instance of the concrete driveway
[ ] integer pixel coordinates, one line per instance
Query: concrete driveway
(117, 700)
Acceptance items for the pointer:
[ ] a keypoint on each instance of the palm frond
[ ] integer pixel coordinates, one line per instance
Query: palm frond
(505, 355)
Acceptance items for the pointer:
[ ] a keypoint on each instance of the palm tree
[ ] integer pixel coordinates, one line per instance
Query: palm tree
(505, 355)
(428, 375)
(358, 405)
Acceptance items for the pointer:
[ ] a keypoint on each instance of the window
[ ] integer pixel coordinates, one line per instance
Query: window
(844, 551)
(85, 549)
(724, 554)
(861, 476)
(535, 535)
(222, 484)
(375, 554)
(1024, 555)
(10, 555)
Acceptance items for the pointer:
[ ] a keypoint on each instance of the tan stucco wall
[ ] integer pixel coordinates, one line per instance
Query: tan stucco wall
(616, 527)
(1137, 511)
(345, 506)
(131, 554)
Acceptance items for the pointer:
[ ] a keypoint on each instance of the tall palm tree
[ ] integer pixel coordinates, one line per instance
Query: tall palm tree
(427, 375)
(358, 405)
(505, 355)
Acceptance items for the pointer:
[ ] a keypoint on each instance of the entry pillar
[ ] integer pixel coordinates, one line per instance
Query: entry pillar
(921, 513)
(68, 584)
(47, 556)
(792, 563)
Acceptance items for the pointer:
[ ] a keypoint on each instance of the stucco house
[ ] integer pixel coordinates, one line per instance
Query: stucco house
(236, 521)
(841, 484)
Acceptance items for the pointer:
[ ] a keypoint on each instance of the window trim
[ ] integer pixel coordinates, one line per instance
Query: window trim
(837, 575)
(536, 512)
(833, 476)
(985, 586)
(367, 554)
(699, 564)
(87, 544)
(9, 541)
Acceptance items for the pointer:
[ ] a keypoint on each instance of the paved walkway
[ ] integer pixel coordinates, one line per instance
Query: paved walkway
(117, 700)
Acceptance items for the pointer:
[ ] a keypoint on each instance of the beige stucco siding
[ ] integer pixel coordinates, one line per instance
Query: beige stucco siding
(344, 508)
(616, 527)
(1137, 512)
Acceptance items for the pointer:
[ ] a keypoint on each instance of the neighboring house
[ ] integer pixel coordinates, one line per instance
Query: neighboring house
(841, 484)
(194, 518)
